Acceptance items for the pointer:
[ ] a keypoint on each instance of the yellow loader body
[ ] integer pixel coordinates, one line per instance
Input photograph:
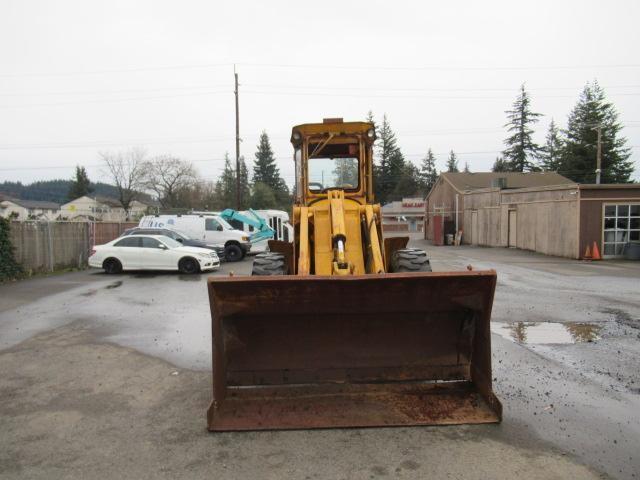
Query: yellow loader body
(342, 327)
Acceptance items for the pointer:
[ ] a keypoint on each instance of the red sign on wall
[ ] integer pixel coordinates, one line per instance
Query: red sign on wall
(412, 204)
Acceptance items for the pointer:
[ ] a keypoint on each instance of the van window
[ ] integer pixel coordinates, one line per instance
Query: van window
(211, 225)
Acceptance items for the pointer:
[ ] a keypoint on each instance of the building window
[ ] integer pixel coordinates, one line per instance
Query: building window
(621, 225)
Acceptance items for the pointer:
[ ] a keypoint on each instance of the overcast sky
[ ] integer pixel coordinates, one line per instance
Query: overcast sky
(80, 77)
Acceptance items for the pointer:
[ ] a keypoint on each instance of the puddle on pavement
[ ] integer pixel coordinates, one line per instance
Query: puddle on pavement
(533, 333)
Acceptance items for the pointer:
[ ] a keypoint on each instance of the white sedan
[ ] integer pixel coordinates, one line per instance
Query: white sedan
(151, 252)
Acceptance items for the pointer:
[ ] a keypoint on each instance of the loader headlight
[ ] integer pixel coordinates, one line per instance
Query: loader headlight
(371, 133)
(296, 138)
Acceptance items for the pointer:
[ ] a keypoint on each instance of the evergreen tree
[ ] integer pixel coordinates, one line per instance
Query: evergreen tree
(391, 163)
(263, 197)
(245, 189)
(408, 184)
(500, 165)
(265, 169)
(225, 190)
(521, 150)
(551, 152)
(580, 148)
(428, 174)
(466, 167)
(452, 162)
(9, 268)
(81, 185)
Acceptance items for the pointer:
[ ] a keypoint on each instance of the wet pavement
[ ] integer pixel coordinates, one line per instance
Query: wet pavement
(566, 345)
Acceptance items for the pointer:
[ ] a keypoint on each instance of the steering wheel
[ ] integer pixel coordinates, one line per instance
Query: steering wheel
(316, 186)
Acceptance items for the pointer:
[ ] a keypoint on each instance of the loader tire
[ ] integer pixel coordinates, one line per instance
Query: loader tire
(269, 263)
(410, 260)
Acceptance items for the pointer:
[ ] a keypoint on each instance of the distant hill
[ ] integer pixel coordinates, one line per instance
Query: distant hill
(53, 190)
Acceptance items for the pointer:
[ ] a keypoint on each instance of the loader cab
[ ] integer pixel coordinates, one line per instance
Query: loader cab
(333, 155)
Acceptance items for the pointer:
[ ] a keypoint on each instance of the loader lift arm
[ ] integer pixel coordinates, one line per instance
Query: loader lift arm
(262, 229)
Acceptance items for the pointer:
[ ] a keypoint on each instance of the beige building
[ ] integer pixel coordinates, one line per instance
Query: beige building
(28, 209)
(447, 197)
(102, 209)
(406, 215)
(560, 220)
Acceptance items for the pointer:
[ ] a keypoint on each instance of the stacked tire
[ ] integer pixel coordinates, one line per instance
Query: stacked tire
(410, 260)
(269, 263)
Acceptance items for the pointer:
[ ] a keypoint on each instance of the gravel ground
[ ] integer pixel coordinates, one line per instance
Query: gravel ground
(109, 376)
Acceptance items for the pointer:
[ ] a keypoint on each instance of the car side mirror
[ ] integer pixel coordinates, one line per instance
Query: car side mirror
(180, 240)
(162, 247)
(219, 228)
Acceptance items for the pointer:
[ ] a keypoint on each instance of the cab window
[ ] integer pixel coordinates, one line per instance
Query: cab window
(333, 166)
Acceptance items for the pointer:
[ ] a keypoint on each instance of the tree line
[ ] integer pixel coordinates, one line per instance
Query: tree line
(177, 185)
(570, 152)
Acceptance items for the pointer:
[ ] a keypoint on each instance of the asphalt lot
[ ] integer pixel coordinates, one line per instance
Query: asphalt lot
(109, 377)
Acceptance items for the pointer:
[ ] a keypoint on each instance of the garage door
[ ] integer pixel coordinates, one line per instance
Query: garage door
(621, 225)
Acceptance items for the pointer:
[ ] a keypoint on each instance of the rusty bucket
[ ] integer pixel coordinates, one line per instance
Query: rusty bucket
(296, 352)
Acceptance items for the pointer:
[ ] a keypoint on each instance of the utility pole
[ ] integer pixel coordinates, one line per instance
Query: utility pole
(235, 74)
(598, 128)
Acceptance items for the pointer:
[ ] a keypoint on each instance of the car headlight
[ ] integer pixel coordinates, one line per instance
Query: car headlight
(203, 255)
(245, 239)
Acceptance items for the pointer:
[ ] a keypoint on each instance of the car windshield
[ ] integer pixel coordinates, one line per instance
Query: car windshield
(169, 242)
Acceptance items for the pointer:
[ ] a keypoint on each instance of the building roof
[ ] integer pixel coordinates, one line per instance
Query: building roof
(471, 181)
(32, 203)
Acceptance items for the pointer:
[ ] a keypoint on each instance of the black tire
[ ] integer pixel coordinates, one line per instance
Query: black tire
(269, 263)
(410, 260)
(112, 265)
(233, 253)
(189, 266)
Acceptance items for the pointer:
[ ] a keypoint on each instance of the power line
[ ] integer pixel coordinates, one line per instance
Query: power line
(412, 97)
(111, 100)
(117, 70)
(421, 89)
(112, 92)
(323, 67)
(437, 67)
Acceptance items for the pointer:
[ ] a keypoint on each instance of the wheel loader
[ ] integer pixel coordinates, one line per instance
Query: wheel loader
(344, 327)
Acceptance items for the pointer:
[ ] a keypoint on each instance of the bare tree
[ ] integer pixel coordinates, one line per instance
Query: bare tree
(127, 172)
(167, 176)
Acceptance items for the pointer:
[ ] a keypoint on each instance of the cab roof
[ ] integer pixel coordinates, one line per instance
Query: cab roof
(331, 125)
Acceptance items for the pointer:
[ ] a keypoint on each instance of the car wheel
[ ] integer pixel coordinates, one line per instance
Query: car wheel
(189, 265)
(112, 265)
(233, 253)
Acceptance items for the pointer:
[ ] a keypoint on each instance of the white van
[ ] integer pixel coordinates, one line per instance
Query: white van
(209, 228)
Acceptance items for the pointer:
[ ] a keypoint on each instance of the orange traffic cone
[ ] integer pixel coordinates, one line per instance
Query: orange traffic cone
(596, 252)
(587, 254)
